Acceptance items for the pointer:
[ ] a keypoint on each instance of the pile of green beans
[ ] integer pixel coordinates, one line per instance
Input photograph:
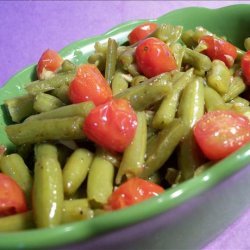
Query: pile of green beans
(67, 178)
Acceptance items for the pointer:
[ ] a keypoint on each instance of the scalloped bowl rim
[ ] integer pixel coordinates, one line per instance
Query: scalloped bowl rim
(80, 231)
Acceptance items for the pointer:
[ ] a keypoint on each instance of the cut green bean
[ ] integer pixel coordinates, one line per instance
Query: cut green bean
(14, 166)
(113, 157)
(168, 33)
(111, 58)
(191, 107)
(76, 170)
(99, 59)
(62, 93)
(189, 156)
(79, 109)
(17, 222)
(48, 188)
(178, 51)
(45, 85)
(197, 60)
(132, 162)
(162, 146)
(119, 83)
(45, 102)
(148, 92)
(20, 107)
(100, 181)
(236, 87)
(126, 58)
(42, 130)
(218, 77)
(213, 100)
(68, 66)
(76, 210)
(138, 80)
(166, 112)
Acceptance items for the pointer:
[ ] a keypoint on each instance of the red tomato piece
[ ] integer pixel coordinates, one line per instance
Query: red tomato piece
(154, 57)
(219, 49)
(89, 85)
(111, 125)
(131, 192)
(245, 66)
(12, 198)
(220, 133)
(142, 31)
(48, 64)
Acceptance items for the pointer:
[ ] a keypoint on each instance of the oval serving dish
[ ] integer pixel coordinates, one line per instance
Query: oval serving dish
(186, 216)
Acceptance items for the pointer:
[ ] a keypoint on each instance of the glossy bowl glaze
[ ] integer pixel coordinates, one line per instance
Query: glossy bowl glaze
(186, 216)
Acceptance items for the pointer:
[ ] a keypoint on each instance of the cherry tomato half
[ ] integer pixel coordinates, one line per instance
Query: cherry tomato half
(131, 192)
(220, 133)
(219, 49)
(49, 63)
(154, 57)
(12, 198)
(245, 66)
(142, 31)
(89, 85)
(111, 125)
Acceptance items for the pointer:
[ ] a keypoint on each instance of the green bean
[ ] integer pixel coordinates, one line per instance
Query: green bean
(48, 188)
(101, 47)
(168, 33)
(61, 93)
(76, 170)
(111, 58)
(213, 100)
(162, 146)
(45, 102)
(191, 107)
(113, 157)
(132, 163)
(119, 83)
(188, 38)
(100, 181)
(240, 101)
(41, 130)
(148, 92)
(133, 70)
(171, 175)
(197, 60)
(247, 43)
(45, 85)
(67, 66)
(218, 77)
(178, 51)
(20, 107)
(79, 109)
(126, 58)
(76, 210)
(236, 87)
(99, 59)
(17, 222)
(138, 80)
(166, 112)
(189, 156)
(14, 166)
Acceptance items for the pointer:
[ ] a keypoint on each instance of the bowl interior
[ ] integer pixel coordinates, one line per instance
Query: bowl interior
(232, 22)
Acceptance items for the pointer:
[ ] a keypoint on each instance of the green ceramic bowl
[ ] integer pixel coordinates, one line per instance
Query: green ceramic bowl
(118, 229)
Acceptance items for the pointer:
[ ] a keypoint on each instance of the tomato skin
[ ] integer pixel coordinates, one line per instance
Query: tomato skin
(111, 125)
(220, 133)
(133, 191)
(245, 66)
(89, 85)
(153, 57)
(141, 31)
(49, 61)
(12, 198)
(219, 49)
